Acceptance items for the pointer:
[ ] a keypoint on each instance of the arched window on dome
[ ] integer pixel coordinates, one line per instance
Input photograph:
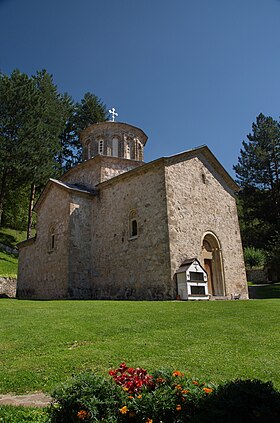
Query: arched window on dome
(140, 151)
(127, 151)
(133, 224)
(115, 147)
(101, 147)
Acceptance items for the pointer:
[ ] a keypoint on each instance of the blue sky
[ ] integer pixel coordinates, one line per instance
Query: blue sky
(187, 72)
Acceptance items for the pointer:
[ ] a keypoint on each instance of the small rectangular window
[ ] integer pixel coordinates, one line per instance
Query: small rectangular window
(197, 290)
(196, 276)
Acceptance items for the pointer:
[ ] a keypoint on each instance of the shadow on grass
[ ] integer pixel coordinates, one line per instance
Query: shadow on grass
(7, 239)
(264, 291)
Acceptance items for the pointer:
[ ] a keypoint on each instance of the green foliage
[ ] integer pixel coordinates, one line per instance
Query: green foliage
(86, 397)
(254, 257)
(173, 397)
(39, 138)
(240, 401)
(9, 414)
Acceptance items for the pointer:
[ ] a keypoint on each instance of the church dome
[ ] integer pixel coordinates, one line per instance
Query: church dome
(113, 139)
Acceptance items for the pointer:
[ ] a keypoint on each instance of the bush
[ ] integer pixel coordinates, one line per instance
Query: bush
(254, 257)
(133, 395)
(241, 401)
(86, 398)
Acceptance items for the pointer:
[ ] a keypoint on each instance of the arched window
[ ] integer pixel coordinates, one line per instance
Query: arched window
(115, 145)
(52, 239)
(140, 151)
(133, 224)
(127, 151)
(100, 147)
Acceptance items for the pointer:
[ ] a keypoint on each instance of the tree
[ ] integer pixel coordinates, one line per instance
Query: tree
(88, 111)
(259, 164)
(32, 116)
(258, 174)
(39, 135)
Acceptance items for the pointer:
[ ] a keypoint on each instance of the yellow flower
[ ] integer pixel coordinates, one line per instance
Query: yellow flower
(139, 396)
(124, 409)
(178, 407)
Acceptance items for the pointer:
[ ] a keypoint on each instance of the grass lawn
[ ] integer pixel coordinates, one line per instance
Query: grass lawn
(9, 414)
(265, 291)
(44, 342)
(8, 265)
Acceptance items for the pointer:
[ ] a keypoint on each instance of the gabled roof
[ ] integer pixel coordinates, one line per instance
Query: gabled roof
(63, 185)
(204, 151)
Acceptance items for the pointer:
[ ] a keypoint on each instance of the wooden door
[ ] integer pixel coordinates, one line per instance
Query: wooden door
(208, 268)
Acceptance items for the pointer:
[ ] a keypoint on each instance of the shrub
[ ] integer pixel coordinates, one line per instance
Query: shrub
(86, 398)
(164, 396)
(240, 401)
(254, 257)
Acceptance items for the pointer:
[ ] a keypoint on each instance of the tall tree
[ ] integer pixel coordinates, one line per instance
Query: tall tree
(258, 171)
(32, 116)
(88, 111)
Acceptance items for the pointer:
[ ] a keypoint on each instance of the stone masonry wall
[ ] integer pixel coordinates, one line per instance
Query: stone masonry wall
(79, 262)
(43, 272)
(98, 169)
(8, 287)
(197, 203)
(125, 268)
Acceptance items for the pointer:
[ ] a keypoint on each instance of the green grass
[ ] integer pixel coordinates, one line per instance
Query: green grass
(9, 414)
(11, 237)
(265, 291)
(8, 265)
(43, 343)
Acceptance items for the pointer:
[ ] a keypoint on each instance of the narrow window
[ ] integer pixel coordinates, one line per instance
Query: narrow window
(52, 239)
(115, 143)
(100, 147)
(134, 229)
(127, 151)
(133, 224)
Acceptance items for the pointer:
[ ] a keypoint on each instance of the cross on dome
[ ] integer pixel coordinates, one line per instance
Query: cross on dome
(113, 113)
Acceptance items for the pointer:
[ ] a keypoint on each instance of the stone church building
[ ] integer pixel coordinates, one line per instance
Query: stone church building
(114, 227)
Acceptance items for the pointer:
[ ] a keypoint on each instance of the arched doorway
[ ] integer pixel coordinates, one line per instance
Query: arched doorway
(213, 264)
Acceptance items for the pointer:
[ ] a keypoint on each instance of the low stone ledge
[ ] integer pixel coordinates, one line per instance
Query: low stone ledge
(8, 287)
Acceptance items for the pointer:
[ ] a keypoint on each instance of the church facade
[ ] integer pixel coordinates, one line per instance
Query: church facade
(114, 227)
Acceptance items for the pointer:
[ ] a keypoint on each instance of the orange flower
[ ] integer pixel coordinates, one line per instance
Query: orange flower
(82, 414)
(160, 380)
(207, 390)
(139, 396)
(177, 373)
(178, 407)
(149, 420)
(195, 382)
(178, 387)
(124, 409)
(185, 391)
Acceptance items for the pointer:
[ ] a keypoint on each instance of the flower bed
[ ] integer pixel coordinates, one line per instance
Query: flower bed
(164, 396)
